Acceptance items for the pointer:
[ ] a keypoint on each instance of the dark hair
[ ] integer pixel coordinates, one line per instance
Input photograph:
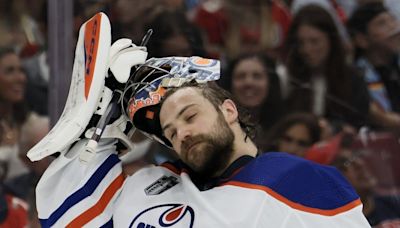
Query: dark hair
(337, 71)
(20, 110)
(271, 109)
(171, 23)
(217, 95)
(280, 128)
(6, 50)
(360, 18)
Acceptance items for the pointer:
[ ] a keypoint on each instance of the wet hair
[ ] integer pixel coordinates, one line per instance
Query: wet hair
(217, 95)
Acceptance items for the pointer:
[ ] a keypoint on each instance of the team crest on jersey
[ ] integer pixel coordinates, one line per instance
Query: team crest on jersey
(161, 185)
(165, 215)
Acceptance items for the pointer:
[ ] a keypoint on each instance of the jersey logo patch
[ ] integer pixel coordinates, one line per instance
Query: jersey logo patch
(161, 185)
(164, 215)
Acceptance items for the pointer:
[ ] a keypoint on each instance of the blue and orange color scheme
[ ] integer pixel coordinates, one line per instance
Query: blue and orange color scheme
(298, 184)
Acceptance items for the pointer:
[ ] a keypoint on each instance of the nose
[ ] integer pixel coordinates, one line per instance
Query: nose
(20, 76)
(306, 48)
(183, 133)
(248, 80)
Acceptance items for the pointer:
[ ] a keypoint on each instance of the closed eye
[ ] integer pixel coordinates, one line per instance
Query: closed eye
(170, 133)
(172, 136)
(190, 117)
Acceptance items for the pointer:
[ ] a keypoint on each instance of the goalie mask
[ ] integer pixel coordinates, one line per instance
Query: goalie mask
(148, 85)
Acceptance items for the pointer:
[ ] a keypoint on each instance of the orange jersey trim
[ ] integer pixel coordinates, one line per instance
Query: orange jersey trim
(99, 207)
(295, 205)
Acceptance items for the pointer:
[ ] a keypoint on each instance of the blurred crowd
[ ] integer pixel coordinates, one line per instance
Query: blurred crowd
(320, 78)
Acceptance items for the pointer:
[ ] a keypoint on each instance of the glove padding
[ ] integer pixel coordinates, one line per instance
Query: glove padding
(89, 95)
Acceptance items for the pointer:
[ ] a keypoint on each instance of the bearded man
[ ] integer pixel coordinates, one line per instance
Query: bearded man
(220, 180)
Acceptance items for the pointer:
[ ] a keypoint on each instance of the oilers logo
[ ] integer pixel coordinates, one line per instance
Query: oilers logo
(165, 215)
(202, 62)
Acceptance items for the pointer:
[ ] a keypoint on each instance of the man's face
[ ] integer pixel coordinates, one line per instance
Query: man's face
(198, 132)
(383, 33)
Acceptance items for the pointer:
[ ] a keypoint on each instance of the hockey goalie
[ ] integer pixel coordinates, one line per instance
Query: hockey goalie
(220, 180)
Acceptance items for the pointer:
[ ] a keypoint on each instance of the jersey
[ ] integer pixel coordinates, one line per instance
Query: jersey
(272, 190)
(17, 213)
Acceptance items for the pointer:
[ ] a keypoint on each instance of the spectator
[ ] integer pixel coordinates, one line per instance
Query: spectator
(381, 211)
(23, 27)
(254, 83)
(174, 35)
(336, 11)
(23, 186)
(132, 16)
(350, 5)
(13, 211)
(261, 26)
(294, 134)
(35, 128)
(321, 81)
(37, 68)
(376, 37)
(13, 111)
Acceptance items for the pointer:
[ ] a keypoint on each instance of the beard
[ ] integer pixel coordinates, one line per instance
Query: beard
(209, 154)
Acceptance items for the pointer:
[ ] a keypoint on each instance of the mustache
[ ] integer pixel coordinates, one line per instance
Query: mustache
(190, 141)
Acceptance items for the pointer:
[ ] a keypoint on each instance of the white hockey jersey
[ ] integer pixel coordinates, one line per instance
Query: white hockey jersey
(272, 190)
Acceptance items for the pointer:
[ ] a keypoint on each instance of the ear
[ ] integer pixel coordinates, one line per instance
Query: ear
(361, 40)
(229, 111)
